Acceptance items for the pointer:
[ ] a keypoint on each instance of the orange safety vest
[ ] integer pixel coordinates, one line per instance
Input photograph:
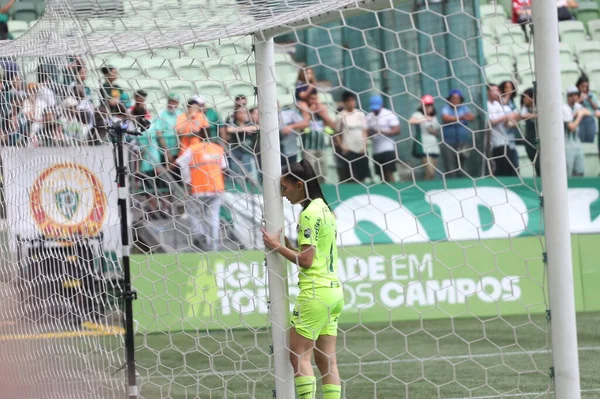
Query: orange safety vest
(205, 168)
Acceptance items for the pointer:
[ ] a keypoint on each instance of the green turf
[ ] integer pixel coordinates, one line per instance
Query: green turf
(461, 358)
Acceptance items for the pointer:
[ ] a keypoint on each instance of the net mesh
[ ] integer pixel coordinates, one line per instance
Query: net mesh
(439, 228)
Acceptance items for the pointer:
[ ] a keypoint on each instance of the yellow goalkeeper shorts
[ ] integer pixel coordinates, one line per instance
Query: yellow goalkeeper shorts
(317, 312)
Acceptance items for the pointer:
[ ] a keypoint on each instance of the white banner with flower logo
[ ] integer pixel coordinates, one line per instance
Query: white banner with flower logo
(62, 192)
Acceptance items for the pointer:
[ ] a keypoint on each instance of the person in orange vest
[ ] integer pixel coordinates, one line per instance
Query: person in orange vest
(202, 167)
(191, 124)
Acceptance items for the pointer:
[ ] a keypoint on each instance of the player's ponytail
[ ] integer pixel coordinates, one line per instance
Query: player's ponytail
(304, 172)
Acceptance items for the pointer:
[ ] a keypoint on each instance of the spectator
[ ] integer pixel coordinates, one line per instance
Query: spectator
(148, 171)
(508, 93)
(191, 124)
(139, 108)
(241, 143)
(74, 129)
(111, 92)
(291, 125)
(215, 127)
(351, 140)
(5, 9)
(503, 148)
(162, 131)
(316, 136)
(587, 128)
(573, 113)
(383, 125)
(457, 138)
(51, 133)
(429, 131)
(85, 106)
(521, 14)
(305, 86)
(4, 33)
(564, 9)
(202, 165)
(13, 128)
(529, 115)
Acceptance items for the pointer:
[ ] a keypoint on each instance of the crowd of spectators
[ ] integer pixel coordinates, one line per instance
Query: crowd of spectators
(187, 141)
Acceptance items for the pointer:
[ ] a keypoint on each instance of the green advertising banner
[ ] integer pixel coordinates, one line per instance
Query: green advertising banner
(382, 283)
(459, 210)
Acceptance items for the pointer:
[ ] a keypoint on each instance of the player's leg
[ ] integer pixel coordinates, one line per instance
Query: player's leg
(325, 350)
(301, 349)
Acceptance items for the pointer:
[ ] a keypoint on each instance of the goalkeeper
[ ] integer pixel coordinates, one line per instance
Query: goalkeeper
(321, 298)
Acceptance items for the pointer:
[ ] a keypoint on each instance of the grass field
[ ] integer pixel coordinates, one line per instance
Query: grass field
(461, 358)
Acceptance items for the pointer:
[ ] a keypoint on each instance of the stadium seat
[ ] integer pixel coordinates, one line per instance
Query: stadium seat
(496, 74)
(592, 69)
(131, 73)
(152, 63)
(501, 56)
(509, 34)
(160, 73)
(526, 79)
(191, 73)
(571, 32)
(524, 60)
(594, 29)
(17, 28)
(238, 59)
(168, 53)
(211, 88)
(566, 53)
(247, 72)
(219, 71)
(237, 88)
(488, 33)
(286, 72)
(493, 15)
(569, 73)
(233, 48)
(281, 56)
(24, 11)
(587, 11)
(587, 51)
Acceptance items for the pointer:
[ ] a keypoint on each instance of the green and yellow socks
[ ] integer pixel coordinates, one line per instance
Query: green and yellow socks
(306, 388)
(331, 391)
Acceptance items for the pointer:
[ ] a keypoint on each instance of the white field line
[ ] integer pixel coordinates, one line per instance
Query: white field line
(375, 363)
(519, 395)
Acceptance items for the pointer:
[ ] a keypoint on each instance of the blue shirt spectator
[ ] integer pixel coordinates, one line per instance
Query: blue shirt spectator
(456, 116)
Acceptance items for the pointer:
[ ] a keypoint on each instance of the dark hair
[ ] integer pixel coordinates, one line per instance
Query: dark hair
(303, 172)
(513, 94)
(527, 93)
(582, 79)
(348, 95)
(421, 109)
(490, 85)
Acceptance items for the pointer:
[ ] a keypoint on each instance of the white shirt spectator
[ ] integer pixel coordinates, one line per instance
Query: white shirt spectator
(498, 138)
(351, 126)
(569, 113)
(429, 141)
(383, 122)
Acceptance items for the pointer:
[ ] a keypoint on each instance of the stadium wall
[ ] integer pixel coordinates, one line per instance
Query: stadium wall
(408, 273)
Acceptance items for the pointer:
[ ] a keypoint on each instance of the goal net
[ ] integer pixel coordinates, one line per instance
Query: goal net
(420, 121)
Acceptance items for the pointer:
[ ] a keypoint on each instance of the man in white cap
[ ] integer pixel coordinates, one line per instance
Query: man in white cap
(573, 113)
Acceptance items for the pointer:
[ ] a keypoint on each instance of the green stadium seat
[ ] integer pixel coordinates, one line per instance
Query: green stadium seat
(594, 29)
(238, 59)
(286, 72)
(571, 32)
(525, 61)
(526, 79)
(593, 72)
(495, 74)
(200, 51)
(160, 73)
(247, 72)
(185, 63)
(587, 51)
(587, 11)
(566, 53)
(211, 88)
(510, 34)
(501, 56)
(17, 28)
(131, 73)
(237, 88)
(569, 73)
(24, 11)
(152, 63)
(120, 63)
(489, 34)
(191, 73)
(168, 53)
(492, 15)
(281, 56)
